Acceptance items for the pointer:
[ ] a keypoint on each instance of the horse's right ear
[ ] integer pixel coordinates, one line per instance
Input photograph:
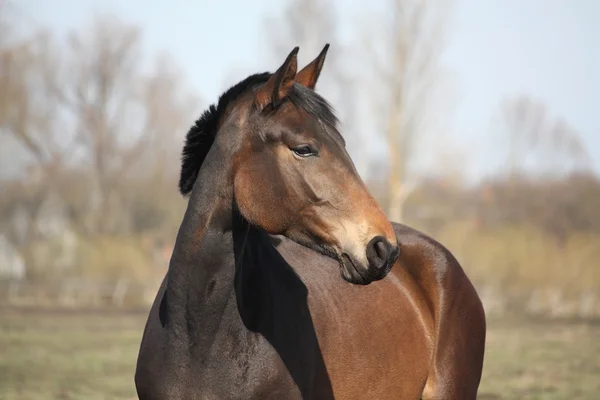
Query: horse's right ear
(309, 75)
(278, 85)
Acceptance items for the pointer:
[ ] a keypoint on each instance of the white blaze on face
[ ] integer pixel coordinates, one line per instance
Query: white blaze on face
(353, 238)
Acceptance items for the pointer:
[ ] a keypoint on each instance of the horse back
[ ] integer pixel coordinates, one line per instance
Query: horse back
(458, 319)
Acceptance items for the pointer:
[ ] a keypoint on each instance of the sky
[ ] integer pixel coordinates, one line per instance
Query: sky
(496, 49)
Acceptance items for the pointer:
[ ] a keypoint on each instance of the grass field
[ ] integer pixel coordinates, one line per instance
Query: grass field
(92, 356)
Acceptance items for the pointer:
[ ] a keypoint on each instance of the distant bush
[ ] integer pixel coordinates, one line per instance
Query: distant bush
(527, 269)
(523, 257)
(100, 258)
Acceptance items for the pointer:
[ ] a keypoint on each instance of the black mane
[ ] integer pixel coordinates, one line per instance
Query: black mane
(202, 134)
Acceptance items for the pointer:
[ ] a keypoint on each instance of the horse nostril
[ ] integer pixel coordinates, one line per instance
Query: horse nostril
(379, 251)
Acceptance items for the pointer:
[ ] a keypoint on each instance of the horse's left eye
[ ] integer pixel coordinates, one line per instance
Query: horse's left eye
(303, 151)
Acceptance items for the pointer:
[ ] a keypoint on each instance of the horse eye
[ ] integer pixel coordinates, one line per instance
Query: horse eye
(303, 151)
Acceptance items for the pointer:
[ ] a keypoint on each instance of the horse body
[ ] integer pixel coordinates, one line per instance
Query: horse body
(286, 279)
(317, 347)
(375, 339)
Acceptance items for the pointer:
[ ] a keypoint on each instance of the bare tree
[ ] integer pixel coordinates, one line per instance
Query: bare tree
(121, 114)
(91, 112)
(27, 118)
(25, 112)
(536, 139)
(404, 56)
(305, 23)
(90, 141)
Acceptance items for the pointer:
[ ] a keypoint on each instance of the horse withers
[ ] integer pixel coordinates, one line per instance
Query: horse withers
(287, 281)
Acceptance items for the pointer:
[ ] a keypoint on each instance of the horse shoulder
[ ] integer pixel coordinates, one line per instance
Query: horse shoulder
(458, 318)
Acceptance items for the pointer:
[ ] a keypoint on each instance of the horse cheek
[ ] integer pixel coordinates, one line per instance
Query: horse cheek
(258, 200)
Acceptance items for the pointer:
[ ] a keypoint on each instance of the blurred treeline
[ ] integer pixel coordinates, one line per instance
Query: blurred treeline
(91, 132)
(91, 135)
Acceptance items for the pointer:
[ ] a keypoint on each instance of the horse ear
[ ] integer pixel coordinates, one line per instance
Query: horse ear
(278, 85)
(309, 75)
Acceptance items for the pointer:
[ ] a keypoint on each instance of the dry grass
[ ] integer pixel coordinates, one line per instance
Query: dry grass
(68, 356)
(541, 360)
(521, 258)
(92, 356)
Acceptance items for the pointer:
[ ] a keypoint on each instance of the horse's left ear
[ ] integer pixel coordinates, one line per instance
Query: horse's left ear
(309, 75)
(278, 85)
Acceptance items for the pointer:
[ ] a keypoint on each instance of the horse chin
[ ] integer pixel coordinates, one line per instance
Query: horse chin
(352, 273)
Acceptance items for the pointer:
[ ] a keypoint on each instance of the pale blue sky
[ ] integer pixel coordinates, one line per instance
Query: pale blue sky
(496, 48)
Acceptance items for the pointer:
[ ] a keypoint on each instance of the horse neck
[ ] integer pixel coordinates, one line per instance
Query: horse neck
(210, 249)
(202, 260)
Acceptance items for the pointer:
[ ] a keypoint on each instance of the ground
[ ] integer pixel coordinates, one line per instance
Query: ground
(91, 356)
(541, 360)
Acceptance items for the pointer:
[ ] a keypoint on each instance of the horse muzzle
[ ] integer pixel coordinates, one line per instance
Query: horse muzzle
(381, 255)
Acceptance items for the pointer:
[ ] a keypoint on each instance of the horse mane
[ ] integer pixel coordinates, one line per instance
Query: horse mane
(202, 134)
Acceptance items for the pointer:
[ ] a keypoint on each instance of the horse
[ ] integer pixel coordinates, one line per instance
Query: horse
(287, 280)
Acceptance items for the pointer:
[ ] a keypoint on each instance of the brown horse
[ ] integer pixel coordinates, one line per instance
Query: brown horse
(253, 305)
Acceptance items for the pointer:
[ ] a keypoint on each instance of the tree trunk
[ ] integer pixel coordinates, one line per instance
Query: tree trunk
(398, 195)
